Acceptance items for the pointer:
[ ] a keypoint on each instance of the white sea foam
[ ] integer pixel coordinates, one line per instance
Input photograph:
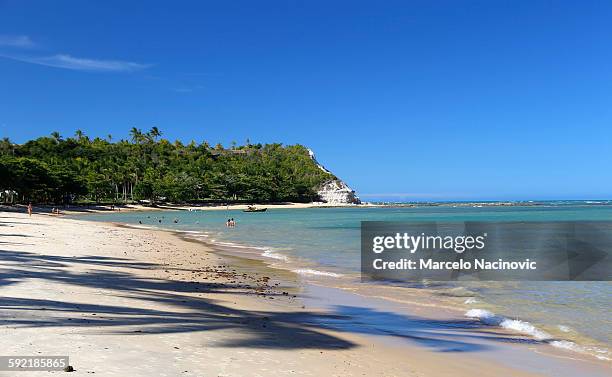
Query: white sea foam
(268, 253)
(470, 300)
(484, 316)
(309, 271)
(524, 328)
(527, 328)
(193, 232)
(601, 354)
(142, 226)
(565, 344)
(519, 326)
(237, 245)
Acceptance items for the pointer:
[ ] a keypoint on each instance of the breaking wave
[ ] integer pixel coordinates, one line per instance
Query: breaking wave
(526, 328)
(309, 271)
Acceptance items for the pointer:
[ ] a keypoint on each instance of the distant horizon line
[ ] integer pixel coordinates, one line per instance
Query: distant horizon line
(487, 200)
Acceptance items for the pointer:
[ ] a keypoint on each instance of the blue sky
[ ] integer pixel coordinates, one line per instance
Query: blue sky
(421, 100)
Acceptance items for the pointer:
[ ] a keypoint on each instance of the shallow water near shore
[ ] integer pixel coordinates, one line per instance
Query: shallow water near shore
(324, 244)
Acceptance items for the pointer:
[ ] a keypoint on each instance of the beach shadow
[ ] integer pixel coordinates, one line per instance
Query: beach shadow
(177, 310)
(162, 306)
(38, 260)
(459, 335)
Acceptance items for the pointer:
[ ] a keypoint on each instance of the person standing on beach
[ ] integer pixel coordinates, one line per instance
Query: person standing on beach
(30, 209)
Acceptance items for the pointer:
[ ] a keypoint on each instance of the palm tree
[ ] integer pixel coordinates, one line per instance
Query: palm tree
(109, 137)
(155, 132)
(79, 134)
(56, 135)
(136, 135)
(6, 146)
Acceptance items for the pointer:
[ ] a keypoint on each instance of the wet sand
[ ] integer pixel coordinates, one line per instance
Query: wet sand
(140, 302)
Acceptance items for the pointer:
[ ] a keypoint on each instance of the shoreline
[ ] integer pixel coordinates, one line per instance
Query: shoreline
(405, 299)
(157, 274)
(453, 300)
(72, 210)
(427, 300)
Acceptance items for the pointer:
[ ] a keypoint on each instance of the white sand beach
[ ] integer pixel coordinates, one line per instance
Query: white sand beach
(139, 302)
(105, 208)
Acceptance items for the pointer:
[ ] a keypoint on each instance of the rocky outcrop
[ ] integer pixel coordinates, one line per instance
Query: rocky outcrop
(337, 192)
(334, 191)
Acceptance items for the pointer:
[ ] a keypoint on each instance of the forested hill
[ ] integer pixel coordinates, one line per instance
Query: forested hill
(147, 167)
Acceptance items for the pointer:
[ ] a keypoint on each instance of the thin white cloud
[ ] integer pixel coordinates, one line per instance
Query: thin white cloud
(79, 64)
(182, 90)
(187, 89)
(22, 41)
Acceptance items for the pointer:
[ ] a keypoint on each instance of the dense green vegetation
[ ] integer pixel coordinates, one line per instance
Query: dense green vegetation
(57, 170)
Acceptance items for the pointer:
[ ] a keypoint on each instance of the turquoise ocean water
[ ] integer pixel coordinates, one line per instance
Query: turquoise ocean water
(325, 242)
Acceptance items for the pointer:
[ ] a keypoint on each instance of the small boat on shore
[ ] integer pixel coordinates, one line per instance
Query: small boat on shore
(254, 209)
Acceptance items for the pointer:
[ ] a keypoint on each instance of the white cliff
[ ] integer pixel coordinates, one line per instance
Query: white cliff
(334, 191)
